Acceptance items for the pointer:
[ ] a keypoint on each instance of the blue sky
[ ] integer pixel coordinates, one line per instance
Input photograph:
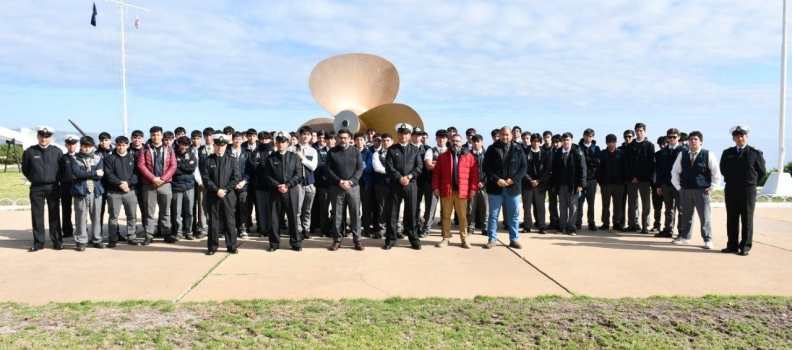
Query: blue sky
(563, 66)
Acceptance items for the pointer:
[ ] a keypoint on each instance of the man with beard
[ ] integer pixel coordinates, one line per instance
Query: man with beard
(504, 166)
(454, 182)
(344, 169)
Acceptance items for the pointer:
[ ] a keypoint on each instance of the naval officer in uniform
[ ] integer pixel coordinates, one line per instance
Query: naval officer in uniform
(220, 175)
(403, 164)
(40, 165)
(283, 171)
(742, 166)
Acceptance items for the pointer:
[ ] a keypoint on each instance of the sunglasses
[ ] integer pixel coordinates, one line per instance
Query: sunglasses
(672, 137)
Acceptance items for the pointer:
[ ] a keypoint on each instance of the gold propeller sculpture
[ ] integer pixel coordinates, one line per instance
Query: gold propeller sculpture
(358, 90)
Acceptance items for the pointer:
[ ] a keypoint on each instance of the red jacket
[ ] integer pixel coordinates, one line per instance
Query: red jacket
(145, 164)
(442, 175)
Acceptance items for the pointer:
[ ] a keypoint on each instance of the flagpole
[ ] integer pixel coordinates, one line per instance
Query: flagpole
(124, 7)
(782, 117)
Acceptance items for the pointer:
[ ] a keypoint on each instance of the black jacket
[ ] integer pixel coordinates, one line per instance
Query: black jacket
(539, 167)
(743, 169)
(256, 163)
(592, 159)
(344, 164)
(502, 164)
(639, 161)
(65, 175)
(665, 162)
(575, 169)
(604, 176)
(480, 159)
(282, 169)
(320, 175)
(118, 169)
(41, 165)
(220, 173)
(184, 178)
(402, 161)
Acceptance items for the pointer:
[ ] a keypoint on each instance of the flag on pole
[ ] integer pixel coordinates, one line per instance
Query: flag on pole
(137, 22)
(93, 17)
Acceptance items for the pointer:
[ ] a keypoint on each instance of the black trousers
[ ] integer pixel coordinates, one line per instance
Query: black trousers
(278, 203)
(320, 217)
(657, 207)
(740, 204)
(408, 194)
(623, 206)
(66, 210)
(38, 194)
(251, 202)
(221, 213)
(142, 204)
(242, 214)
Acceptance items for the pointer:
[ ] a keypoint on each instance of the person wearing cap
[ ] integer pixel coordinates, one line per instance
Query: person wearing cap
(664, 165)
(504, 166)
(258, 181)
(200, 213)
(306, 190)
(40, 165)
(156, 165)
(283, 172)
(183, 185)
(87, 190)
(242, 215)
(65, 179)
(220, 174)
(695, 175)
(403, 164)
(455, 181)
(120, 180)
(344, 169)
(478, 203)
(742, 166)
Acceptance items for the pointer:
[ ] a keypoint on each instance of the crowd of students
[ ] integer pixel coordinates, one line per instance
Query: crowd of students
(235, 183)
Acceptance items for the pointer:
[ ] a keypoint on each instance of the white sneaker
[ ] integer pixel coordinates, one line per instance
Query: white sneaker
(681, 241)
(708, 245)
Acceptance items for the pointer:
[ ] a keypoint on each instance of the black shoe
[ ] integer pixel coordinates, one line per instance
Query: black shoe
(388, 245)
(400, 236)
(306, 235)
(66, 235)
(170, 239)
(729, 250)
(542, 231)
(604, 227)
(111, 245)
(592, 227)
(423, 234)
(146, 241)
(296, 249)
(233, 251)
(618, 228)
(416, 245)
(189, 237)
(272, 249)
(98, 245)
(132, 242)
(57, 246)
(743, 253)
(656, 229)
(377, 235)
(525, 230)
(644, 231)
(210, 252)
(35, 248)
(80, 247)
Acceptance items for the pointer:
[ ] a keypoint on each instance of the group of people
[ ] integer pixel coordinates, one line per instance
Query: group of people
(342, 183)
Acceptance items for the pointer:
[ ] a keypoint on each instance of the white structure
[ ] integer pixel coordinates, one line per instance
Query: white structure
(780, 183)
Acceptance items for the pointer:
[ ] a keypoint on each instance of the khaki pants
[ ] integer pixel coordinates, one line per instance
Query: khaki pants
(460, 205)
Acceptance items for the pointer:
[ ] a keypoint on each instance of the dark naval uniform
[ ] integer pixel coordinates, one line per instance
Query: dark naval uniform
(40, 166)
(282, 169)
(220, 173)
(403, 161)
(741, 169)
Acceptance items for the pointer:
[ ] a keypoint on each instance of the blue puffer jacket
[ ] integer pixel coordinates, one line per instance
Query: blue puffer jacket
(184, 178)
(83, 173)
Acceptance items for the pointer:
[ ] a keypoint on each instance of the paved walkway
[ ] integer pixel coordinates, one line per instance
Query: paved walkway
(600, 264)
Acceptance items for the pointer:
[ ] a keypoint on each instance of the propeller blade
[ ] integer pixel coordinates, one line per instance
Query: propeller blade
(322, 123)
(383, 118)
(356, 82)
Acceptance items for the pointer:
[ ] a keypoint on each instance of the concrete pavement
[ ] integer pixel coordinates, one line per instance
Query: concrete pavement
(600, 264)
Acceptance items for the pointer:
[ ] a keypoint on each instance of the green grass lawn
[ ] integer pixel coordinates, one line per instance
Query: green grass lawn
(11, 185)
(712, 322)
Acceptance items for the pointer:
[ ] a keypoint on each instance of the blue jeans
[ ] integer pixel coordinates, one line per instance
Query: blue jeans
(511, 216)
